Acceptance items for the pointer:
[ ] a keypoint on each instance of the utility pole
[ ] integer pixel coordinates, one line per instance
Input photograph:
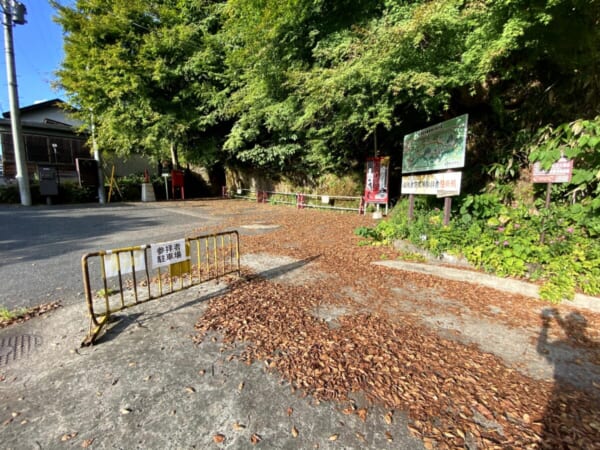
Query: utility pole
(98, 158)
(14, 12)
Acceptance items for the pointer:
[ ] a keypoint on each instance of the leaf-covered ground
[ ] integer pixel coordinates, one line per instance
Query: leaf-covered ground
(455, 395)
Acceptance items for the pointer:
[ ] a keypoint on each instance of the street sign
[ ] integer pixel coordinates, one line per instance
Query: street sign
(560, 172)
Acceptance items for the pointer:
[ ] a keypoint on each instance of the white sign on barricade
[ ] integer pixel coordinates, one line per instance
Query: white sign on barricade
(167, 253)
(114, 261)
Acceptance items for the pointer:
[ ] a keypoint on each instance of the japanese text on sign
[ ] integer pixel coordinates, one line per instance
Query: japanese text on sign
(447, 182)
(560, 172)
(167, 253)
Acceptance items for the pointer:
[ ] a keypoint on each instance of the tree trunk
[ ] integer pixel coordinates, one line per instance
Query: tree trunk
(174, 156)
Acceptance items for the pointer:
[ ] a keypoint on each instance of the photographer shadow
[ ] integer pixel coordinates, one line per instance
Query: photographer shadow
(573, 412)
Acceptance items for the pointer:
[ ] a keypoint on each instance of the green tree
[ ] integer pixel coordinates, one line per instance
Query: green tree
(149, 71)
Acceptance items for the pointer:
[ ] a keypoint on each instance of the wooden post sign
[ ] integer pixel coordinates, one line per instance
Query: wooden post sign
(560, 172)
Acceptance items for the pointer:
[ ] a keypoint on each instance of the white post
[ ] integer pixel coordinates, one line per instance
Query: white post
(98, 158)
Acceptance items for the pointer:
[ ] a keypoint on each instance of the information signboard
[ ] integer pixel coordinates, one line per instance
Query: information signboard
(376, 186)
(442, 184)
(438, 147)
(560, 172)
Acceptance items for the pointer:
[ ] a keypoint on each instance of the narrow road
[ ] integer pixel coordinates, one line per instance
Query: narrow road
(41, 246)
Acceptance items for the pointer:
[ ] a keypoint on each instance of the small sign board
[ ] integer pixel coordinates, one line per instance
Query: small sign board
(48, 179)
(560, 172)
(114, 261)
(376, 185)
(438, 147)
(442, 184)
(166, 253)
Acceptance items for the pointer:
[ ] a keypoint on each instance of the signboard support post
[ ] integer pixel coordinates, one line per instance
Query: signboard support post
(411, 206)
(543, 233)
(560, 172)
(447, 207)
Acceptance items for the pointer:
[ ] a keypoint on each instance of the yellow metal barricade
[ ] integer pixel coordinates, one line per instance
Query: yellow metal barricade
(114, 280)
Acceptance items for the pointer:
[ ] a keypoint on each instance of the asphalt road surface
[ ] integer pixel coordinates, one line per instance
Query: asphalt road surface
(41, 246)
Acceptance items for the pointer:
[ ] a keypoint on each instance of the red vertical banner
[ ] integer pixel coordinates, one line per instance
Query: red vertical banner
(376, 185)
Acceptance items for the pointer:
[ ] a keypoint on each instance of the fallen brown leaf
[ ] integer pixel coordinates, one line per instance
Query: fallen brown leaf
(362, 414)
(238, 426)
(388, 418)
(68, 436)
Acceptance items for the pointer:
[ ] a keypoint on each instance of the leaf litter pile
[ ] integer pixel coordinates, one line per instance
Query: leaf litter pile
(455, 395)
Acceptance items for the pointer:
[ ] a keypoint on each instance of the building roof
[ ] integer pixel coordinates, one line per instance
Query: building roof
(54, 103)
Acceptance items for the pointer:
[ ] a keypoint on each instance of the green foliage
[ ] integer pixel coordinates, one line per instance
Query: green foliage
(412, 257)
(506, 241)
(73, 193)
(579, 141)
(307, 87)
(148, 71)
(10, 194)
(7, 314)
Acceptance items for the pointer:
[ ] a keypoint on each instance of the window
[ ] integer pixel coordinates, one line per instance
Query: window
(36, 148)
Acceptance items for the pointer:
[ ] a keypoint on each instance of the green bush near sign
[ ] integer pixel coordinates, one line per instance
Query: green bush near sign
(506, 240)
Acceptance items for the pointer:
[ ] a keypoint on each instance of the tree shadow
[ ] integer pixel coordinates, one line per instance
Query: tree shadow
(572, 416)
(119, 323)
(276, 272)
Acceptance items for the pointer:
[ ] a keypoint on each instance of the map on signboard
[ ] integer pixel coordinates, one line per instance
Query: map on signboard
(438, 147)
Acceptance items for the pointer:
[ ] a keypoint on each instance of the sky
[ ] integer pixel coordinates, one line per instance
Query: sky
(38, 48)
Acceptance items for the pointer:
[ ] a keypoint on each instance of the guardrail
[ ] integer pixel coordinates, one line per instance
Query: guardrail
(114, 280)
(300, 200)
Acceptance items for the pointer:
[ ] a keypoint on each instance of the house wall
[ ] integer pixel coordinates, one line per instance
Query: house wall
(132, 165)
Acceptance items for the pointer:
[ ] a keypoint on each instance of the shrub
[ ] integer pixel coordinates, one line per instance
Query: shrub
(507, 241)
